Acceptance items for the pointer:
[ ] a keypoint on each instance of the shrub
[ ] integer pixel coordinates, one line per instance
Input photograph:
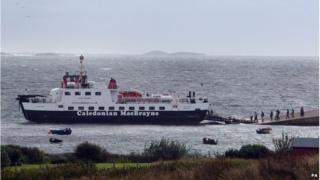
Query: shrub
(15, 155)
(232, 153)
(253, 151)
(90, 152)
(33, 155)
(28, 155)
(283, 144)
(5, 160)
(165, 150)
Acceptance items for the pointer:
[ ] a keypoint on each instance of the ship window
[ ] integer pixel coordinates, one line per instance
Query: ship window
(141, 108)
(98, 93)
(60, 106)
(70, 108)
(80, 108)
(101, 108)
(87, 93)
(121, 108)
(152, 108)
(67, 93)
(91, 108)
(162, 108)
(77, 93)
(111, 108)
(131, 108)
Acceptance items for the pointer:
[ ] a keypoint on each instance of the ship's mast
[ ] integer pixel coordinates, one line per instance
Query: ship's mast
(81, 65)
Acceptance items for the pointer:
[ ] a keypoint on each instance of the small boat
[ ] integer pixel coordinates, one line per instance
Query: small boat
(54, 140)
(209, 141)
(264, 130)
(66, 131)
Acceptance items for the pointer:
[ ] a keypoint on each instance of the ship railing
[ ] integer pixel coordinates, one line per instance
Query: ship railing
(143, 100)
(192, 100)
(184, 100)
(40, 100)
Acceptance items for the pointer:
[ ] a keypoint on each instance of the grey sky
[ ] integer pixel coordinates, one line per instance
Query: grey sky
(215, 27)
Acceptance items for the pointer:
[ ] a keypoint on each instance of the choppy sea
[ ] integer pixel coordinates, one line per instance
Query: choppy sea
(235, 86)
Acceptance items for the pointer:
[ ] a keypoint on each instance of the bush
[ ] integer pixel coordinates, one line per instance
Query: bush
(283, 144)
(5, 160)
(232, 153)
(24, 154)
(90, 152)
(32, 155)
(253, 151)
(165, 150)
(15, 155)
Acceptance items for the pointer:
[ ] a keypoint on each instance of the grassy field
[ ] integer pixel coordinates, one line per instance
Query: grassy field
(282, 167)
(98, 165)
(121, 165)
(102, 166)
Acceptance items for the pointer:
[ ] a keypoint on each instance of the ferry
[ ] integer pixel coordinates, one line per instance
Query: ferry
(78, 100)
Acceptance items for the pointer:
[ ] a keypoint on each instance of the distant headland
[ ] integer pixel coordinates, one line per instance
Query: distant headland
(163, 53)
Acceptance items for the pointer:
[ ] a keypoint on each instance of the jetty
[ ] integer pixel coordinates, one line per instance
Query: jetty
(310, 118)
(218, 120)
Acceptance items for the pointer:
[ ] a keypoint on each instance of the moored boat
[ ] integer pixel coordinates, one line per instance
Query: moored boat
(209, 141)
(55, 140)
(264, 130)
(66, 131)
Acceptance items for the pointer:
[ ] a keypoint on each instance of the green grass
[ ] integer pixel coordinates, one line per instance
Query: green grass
(98, 165)
(120, 165)
(235, 162)
(29, 166)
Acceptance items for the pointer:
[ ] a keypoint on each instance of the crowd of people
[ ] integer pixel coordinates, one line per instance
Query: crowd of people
(275, 115)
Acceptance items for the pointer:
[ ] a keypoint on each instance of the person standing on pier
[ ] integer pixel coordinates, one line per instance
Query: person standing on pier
(262, 116)
(292, 112)
(255, 117)
(288, 112)
(251, 118)
(211, 112)
(301, 111)
(277, 114)
(271, 115)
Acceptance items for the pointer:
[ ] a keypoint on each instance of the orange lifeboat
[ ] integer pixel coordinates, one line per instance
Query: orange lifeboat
(130, 94)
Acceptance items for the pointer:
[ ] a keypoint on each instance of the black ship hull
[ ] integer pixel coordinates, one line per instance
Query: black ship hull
(163, 117)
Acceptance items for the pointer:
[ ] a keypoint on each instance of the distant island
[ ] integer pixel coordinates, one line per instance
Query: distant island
(35, 54)
(5, 54)
(54, 54)
(163, 53)
(150, 53)
(47, 54)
